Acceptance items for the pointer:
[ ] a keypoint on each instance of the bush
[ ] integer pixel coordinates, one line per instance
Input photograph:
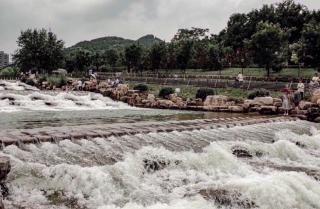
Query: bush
(9, 72)
(57, 80)
(165, 92)
(204, 92)
(258, 93)
(141, 87)
(277, 68)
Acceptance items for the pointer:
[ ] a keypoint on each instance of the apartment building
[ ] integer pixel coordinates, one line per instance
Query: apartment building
(4, 59)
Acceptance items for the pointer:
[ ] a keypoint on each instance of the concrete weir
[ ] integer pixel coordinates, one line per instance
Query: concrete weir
(55, 134)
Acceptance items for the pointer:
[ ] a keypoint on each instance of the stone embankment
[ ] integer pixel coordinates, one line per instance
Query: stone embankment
(217, 103)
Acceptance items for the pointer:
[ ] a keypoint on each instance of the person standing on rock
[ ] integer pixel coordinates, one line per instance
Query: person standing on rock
(301, 88)
(286, 100)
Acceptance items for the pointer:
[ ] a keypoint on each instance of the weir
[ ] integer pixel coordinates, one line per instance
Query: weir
(38, 135)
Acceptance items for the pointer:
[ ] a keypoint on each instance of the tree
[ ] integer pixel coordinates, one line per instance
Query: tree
(81, 59)
(133, 55)
(311, 41)
(184, 55)
(266, 45)
(157, 55)
(112, 57)
(97, 59)
(39, 50)
(215, 58)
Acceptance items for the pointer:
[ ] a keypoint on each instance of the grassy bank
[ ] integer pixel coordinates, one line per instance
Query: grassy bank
(190, 91)
(256, 72)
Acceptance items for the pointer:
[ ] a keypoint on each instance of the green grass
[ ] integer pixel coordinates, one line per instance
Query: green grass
(190, 91)
(257, 72)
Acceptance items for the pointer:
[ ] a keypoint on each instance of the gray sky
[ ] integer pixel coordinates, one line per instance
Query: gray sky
(77, 20)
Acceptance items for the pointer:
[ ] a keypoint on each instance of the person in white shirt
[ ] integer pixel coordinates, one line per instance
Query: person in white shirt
(240, 79)
(315, 78)
(301, 88)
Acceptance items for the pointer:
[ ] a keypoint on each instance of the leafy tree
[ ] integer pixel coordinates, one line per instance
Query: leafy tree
(184, 54)
(97, 60)
(112, 57)
(311, 41)
(266, 45)
(215, 58)
(133, 56)
(40, 50)
(157, 55)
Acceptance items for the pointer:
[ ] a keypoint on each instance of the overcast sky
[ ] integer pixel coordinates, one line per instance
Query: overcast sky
(77, 20)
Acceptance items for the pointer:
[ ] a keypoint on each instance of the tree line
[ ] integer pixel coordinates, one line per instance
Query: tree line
(271, 37)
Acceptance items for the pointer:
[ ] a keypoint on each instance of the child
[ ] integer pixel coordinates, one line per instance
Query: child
(286, 100)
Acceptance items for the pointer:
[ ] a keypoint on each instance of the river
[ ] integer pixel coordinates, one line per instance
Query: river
(178, 170)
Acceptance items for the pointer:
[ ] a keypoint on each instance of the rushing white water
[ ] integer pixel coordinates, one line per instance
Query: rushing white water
(16, 86)
(112, 173)
(35, 101)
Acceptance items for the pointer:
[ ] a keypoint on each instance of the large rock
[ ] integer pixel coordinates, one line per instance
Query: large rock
(263, 101)
(315, 96)
(236, 109)
(216, 100)
(151, 97)
(165, 104)
(268, 110)
(5, 168)
(304, 105)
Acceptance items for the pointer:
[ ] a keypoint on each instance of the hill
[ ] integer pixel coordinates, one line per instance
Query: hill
(113, 42)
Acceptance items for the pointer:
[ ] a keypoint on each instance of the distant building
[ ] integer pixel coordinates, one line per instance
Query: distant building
(4, 59)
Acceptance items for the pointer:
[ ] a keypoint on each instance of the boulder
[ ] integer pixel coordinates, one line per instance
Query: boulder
(5, 168)
(268, 110)
(216, 100)
(304, 105)
(241, 152)
(315, 96)
(165, 104)
(317, 120)
(236, 109)
(229, 199)
(151, 97)
(263, 101)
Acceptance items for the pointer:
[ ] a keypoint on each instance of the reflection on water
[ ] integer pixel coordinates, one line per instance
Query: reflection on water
(38, 119)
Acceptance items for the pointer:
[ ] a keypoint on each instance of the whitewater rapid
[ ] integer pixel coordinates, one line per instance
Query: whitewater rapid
(56, 101)
(111, 173)
(16, 86)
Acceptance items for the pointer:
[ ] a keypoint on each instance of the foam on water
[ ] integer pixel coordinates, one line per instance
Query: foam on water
(35, 101)
(16, 86)
(81, 172)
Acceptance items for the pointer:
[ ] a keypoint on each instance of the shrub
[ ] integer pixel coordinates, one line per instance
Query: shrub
(204, 92)
(57, 80)
(165, 92)
(141, 87)
(258, 93)
(10, 72)
(276, 68)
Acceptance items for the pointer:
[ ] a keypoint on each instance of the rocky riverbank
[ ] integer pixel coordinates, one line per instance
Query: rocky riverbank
(307, 110)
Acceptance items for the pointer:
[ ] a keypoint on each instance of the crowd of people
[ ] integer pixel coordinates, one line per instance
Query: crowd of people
(292, 96)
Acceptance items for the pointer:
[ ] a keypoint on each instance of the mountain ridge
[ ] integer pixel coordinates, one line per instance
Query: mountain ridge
(115, 42)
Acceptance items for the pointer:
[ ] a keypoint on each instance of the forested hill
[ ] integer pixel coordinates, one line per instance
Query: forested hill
(113, 42)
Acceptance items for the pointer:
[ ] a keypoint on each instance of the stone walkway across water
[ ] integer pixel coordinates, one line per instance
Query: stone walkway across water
(38, 135)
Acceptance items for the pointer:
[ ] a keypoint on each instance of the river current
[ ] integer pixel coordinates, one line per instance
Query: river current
(177, 170)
